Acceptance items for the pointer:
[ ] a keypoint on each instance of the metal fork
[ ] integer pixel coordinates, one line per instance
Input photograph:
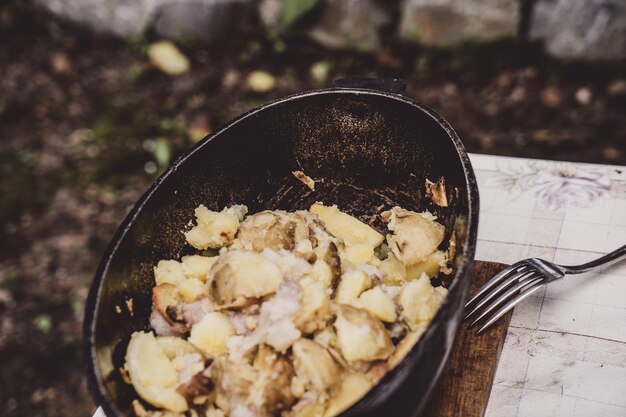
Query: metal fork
(519, 281)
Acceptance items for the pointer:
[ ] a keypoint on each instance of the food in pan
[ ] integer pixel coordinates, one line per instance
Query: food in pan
(292, 314)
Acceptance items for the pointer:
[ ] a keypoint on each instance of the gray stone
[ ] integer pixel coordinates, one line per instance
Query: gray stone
(204, 20)
(351, 23)
(270, 13)
(450, 22)
(593, 30)
(118, 17)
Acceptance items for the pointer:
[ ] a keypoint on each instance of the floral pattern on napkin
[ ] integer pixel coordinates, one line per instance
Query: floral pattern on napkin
(556, 186)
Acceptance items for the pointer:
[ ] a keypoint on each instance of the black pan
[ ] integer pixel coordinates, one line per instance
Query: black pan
(364, 147)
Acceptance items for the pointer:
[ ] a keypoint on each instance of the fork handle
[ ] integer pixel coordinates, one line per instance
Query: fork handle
(602, 262)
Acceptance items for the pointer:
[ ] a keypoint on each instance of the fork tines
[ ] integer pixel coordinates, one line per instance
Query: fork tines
(503, 292)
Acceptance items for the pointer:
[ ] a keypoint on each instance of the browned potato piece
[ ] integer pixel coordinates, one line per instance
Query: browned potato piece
(273, 230)
(430, 266)
(327, 267)
(361, 337)
(164, 296)
(271, 392)
(415, 236)
(315, 366)
(394, 270)
(152, 373)
(314, 306)
(243, 274)
(350, 229)
(215, 229)
(353, 387)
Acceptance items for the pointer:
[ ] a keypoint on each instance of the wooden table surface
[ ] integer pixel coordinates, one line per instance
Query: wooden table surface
(464, 388)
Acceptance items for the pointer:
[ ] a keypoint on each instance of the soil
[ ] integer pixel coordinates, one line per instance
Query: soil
(87, 123)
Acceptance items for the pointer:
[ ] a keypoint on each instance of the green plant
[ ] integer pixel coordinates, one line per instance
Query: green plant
(293, 10)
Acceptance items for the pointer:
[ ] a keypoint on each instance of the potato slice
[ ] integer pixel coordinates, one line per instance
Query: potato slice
(175, 346)
(314, 306)
(361, 336)
(415, 237)
(394, 270)
(152, 373)
(420, 301)
(430, 266)
(378, 304)
(210, 335)
(315, 366)
(350, 229)
(357, 254)
(215, 229)
(353, 388)
(353, 283)
(243, 274)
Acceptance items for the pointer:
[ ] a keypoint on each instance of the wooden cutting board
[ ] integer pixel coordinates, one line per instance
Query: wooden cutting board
(464, 388)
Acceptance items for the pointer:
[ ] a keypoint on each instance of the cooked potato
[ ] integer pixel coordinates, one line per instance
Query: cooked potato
(184, 275)
(288, 319)
(415, 236)
(315, 366)
(215, 229)
(308, 407)
(175, 346)
(394, 270)
(271, 391)
(405, 346)
(357, 254)
(163, 296)
(352, 284)
(196, 266)
(378, 304)
(420, 300)
(350, 229)
(273, 230)
(361, 336)
(353, 387)
(430, 266)
(243, 274)
(152, 373)
(210, 335)
(327, 267)
(314, 306)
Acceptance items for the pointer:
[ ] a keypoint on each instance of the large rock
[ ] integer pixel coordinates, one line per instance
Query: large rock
(449, 22)
(351, 23)
(204, 20)
(118, 17)
(581, 29)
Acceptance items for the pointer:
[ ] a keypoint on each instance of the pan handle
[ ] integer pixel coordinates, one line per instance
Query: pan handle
(387, 85)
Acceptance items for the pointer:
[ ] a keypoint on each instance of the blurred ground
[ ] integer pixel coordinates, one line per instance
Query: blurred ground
(86, 123)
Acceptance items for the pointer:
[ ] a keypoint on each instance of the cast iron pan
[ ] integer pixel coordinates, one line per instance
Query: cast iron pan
(365, 144)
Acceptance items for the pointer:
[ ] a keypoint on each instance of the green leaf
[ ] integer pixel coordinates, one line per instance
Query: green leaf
(44, 323)
(162, 152)
(293, 10)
